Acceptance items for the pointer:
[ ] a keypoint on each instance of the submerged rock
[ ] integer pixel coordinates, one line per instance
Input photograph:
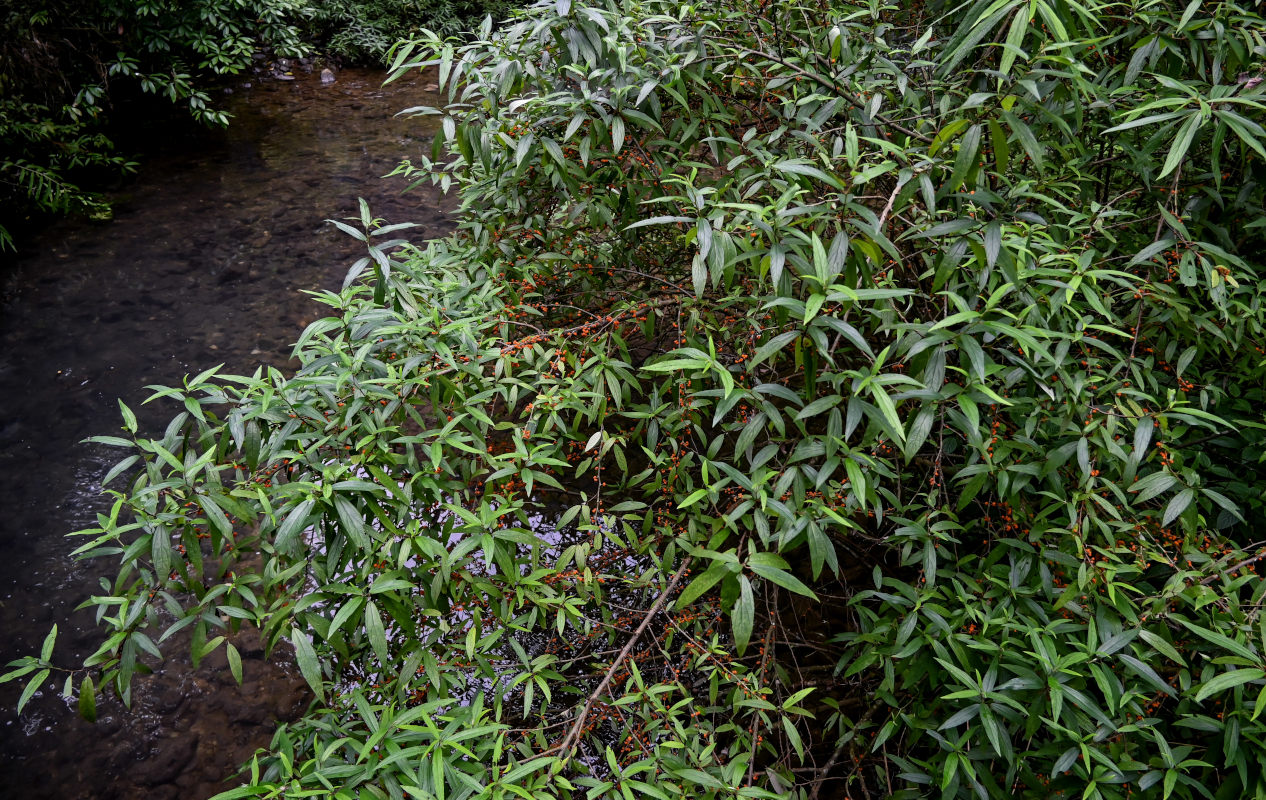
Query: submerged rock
(327, 76)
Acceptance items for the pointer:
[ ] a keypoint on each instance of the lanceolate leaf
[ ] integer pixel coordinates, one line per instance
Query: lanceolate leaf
(88, 700)
(1182, 143)
(309, 666)
(702, 584)
(289, 533)
(1177, 504)
(743, 615)
(1228, 680)
(32, 686)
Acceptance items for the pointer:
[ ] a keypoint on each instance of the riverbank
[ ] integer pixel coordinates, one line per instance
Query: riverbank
(206, 261)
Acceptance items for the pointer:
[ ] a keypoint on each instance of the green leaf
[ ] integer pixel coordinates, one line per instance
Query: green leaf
(1220, 640)
(693, 497)
(772, 346)
(657, 221)
(32, 687)
(813, 306)
(818, 406)
(1250, 132)
(1182, 143)
(376, 633)
(1145, 671)
(352, 522)
(777, 260)
(1147, 253)
(88, 699)
(617, 134)
(889, 410)
(215, 515)
(22, 666)
(309, 667)
(1223, 502)
(954, 319)
(349, 230)
(1228, 680)
(287, 540)
(744, 615)
(797, 168)
(1259, 706)
(676, 365)
(968, 150)
(119, 469)
(112, 441)
(46, 650)
(129, 419)
(784, 579)
(385, 584)
(1177, 504)
(1015, 37)
(701, 584)
(947, 228)
(1163, 647)
(1151, 485)
(345, 613)
(235, 662)
(1032, 148)
(1143, 436)
(919, 430)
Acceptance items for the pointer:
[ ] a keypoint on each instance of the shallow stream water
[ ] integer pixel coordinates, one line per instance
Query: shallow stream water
(205, 263)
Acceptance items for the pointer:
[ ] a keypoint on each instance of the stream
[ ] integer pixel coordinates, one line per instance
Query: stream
(212, 245)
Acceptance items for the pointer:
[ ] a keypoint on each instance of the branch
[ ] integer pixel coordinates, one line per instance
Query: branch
(573, 736)
(839, 751)
(888, 206)
(1223, 573)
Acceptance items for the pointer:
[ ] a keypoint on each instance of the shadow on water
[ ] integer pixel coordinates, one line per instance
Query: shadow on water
(205, 263)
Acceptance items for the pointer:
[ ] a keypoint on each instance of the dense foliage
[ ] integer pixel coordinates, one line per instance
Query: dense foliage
(837, 399)
(366, 30)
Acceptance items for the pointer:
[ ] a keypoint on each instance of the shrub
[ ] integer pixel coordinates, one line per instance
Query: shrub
(938, 309)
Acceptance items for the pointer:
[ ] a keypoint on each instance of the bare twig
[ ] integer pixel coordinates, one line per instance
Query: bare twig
(888, 206)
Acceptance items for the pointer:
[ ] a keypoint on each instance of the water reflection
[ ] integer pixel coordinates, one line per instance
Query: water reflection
(204, 263)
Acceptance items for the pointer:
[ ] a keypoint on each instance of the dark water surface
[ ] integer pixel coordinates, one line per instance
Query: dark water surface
(204, 263)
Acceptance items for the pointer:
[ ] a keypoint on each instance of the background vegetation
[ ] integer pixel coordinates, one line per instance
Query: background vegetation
(64, 62)
(815, 400)
(364, 31)
(65, 65)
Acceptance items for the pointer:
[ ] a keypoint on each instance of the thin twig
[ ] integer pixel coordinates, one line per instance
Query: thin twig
(766, 649)
(826, 770)
(1246, 562)
(888, 206)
